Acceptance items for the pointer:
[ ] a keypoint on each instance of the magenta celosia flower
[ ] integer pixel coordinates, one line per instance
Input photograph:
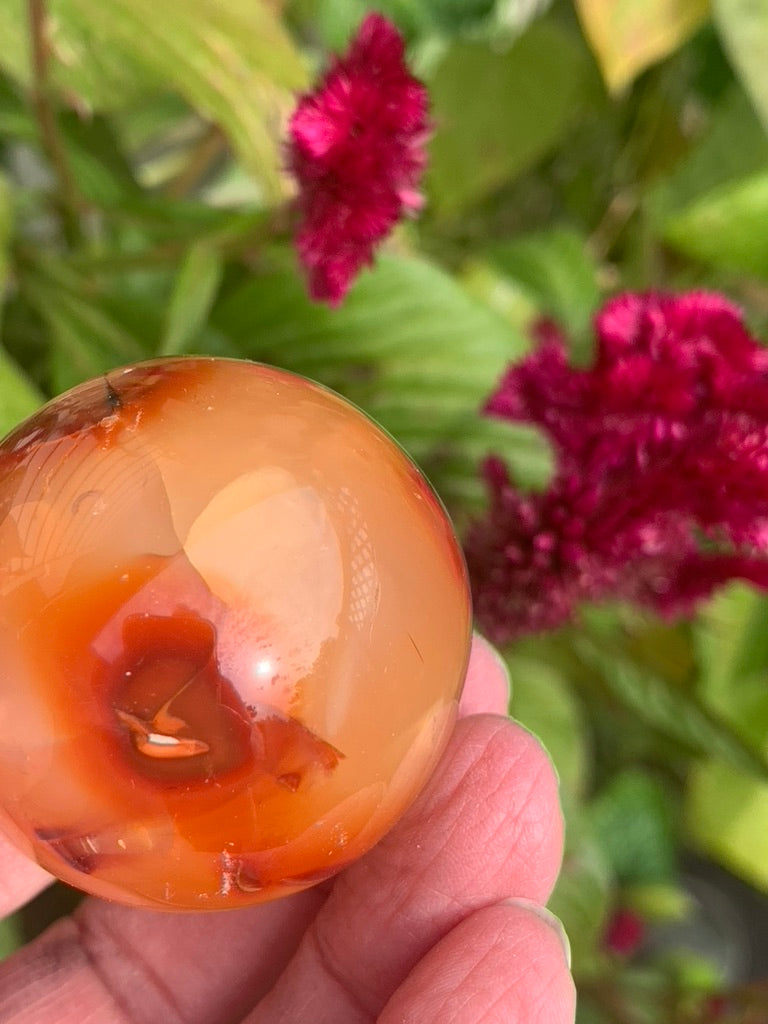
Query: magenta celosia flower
(660, 492)
(625, 933)
(357, 150)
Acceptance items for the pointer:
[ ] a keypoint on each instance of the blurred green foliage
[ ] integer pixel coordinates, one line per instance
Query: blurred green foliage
(579, 148)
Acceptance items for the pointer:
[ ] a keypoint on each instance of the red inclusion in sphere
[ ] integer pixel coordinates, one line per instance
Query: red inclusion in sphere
(234, 624)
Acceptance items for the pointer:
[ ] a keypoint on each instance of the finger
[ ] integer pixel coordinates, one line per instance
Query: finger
(503, 963)
(20, 878)
(114, 965)
(488, 826)
(486, 689)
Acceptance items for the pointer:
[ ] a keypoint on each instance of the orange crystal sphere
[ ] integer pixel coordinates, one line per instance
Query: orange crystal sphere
(234, 625)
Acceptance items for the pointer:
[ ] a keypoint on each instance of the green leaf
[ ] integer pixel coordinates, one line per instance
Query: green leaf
(231, 59)
(101, 77)
(732, 645)
(193, 295)
(18, 397)
(659, 703)
(582, 895)
(11, 936)
(743, 27)
(16, 120)
(334, 21)
(498, 113)
(454, 459)
(87, 339)
(544, 703)
(408, 345)
(734, 147)
(104, 175)
(629, 35)
(658, 901)
(6, 229)
(727, 813)
(722, 228)
(556, 268)
(633, 821)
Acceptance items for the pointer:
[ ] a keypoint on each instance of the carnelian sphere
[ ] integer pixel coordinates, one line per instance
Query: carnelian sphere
(234, 624)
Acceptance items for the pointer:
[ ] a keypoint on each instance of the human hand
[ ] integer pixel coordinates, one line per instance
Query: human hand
(441, 922)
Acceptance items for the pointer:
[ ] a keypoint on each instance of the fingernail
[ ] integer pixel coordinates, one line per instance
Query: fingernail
(496, 656)
(548, 917)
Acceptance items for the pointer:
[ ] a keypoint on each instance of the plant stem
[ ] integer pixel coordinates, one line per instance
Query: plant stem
(68, 199)
(203, 156)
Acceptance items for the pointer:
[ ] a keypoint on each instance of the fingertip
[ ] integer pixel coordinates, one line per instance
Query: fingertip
(487, 685)
(503, 962)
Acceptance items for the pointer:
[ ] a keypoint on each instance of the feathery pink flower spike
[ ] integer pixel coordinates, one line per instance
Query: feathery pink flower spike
(357, 150)
(660, 492)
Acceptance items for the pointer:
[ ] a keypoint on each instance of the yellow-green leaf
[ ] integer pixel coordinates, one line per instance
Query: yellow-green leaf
(728, 817)
(721, 228)
(627, 36)
(18, 396)
(6, 228)
(194, 291)
(743, 27)
(230, 59)
(498, 112)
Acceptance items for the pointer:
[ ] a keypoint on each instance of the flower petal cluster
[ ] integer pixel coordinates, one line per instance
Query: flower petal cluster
(357, 150)
(660, 492)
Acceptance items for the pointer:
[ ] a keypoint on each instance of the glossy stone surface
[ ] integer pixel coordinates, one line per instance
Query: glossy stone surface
(234, 624)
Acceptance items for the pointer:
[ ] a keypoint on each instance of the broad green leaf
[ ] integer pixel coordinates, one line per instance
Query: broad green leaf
(633, 821)
(455, 459)
(723, 228)
(727, 814)
(743, 27)
(678, 714)
(732, 644)
(556, 268)
(733, 148)
(491, 286)
(18, 396)
(497, 113)
(630, 35)
(408, 345)
(544, 703)
(193, 295)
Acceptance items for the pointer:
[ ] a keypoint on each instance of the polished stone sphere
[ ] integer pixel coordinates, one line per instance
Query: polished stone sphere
(234, 625)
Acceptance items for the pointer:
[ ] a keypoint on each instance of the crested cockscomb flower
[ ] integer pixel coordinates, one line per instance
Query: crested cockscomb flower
(357, 150)
(660, 492)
